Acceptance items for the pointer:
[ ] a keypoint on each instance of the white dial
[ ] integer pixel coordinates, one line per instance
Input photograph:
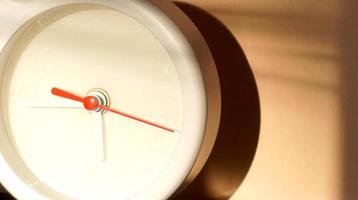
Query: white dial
(98, 104)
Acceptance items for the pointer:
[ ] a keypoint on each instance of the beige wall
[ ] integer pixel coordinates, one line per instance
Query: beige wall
(303, 54)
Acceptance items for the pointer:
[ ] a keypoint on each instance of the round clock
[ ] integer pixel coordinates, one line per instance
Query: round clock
(103, 99)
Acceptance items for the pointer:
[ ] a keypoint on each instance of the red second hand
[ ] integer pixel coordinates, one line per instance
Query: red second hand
(135, 118)
(64, 94)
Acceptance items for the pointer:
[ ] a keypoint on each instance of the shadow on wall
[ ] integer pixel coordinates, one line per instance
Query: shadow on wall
(305, 58)
(239, 128)
(349, 46)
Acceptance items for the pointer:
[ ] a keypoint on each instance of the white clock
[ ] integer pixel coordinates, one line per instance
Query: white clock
(103, 99)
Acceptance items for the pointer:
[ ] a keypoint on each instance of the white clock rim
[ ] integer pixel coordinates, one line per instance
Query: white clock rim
(195, 97)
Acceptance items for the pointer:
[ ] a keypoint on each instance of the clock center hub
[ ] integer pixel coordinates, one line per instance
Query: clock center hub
(96, 97)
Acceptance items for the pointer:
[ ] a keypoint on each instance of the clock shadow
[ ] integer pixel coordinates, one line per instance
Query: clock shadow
(239, 129)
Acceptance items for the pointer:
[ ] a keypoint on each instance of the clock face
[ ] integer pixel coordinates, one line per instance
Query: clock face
(113, 53)
(94, 105)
